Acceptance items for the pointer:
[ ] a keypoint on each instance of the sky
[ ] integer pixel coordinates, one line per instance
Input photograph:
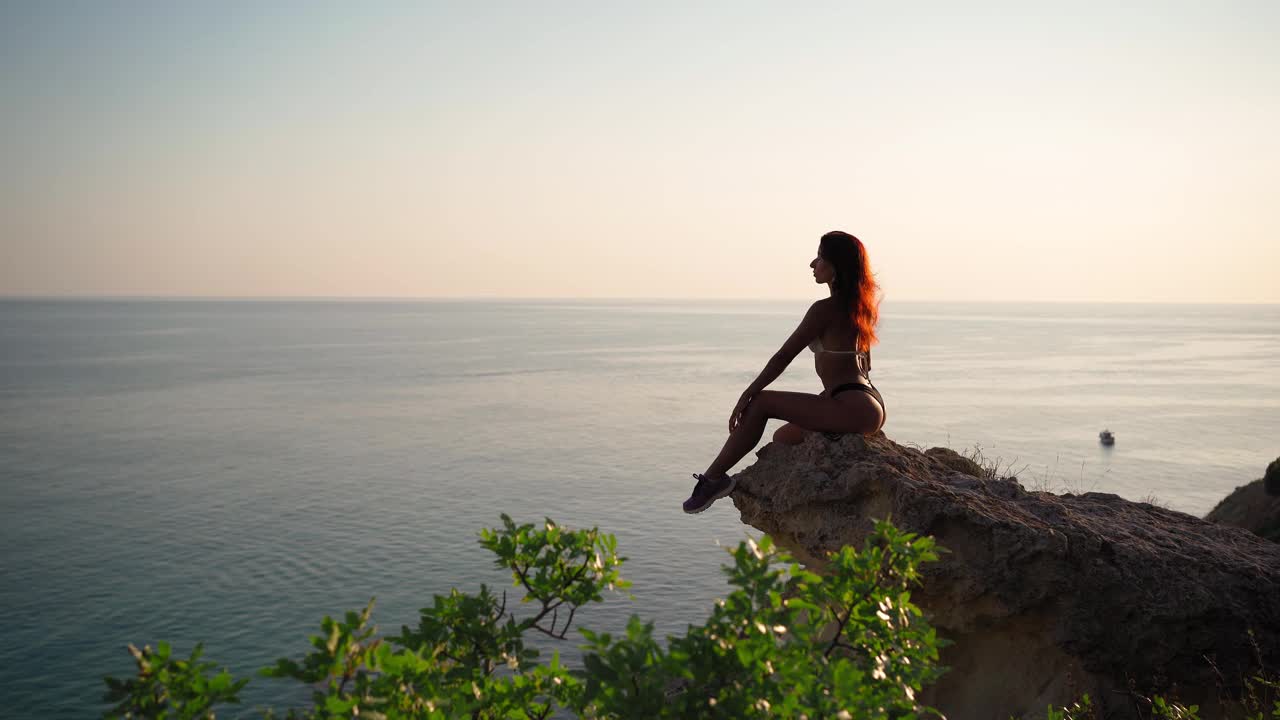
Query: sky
(1020, 151)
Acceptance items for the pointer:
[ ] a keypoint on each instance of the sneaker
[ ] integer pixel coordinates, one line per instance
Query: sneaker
(707, 492)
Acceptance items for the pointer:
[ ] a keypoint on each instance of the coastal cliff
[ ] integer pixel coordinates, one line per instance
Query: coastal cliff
(1044, 597)
(1254, 507)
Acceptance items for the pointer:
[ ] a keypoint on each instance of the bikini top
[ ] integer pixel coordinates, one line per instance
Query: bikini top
(816, 346)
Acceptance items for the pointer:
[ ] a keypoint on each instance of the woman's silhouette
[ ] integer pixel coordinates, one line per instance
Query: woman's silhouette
(840, 330)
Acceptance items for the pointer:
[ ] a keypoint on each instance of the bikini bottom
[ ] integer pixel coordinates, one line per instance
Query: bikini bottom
(869, 389)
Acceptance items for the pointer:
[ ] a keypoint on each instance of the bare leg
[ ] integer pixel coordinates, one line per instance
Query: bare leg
(851, 412)
(741, 440)
(790, 434)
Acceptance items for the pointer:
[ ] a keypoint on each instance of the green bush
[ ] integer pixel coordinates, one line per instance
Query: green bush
(784, 643)
(169, 688)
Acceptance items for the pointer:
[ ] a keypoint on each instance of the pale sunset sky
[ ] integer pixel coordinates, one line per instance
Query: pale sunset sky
(1019, 151)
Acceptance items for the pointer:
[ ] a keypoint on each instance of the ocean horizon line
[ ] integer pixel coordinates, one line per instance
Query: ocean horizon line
(584, 299)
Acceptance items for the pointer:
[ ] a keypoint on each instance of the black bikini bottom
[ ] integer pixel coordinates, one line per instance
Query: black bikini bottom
(869, 389)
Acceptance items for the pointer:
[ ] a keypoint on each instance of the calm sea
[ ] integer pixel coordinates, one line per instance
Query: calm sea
(233, 471)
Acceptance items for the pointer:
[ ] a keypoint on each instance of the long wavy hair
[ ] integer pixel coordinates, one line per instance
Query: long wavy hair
(855, 284)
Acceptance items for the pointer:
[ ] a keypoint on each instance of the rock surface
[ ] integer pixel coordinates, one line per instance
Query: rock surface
(1253, 507)
(1044, 597)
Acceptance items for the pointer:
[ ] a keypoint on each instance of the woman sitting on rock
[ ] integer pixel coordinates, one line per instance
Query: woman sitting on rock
(840, 330)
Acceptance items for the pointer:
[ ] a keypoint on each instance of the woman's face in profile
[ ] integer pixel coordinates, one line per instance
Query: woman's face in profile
(823, 272)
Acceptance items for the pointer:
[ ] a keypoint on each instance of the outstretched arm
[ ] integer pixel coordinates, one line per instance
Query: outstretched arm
(809, 328)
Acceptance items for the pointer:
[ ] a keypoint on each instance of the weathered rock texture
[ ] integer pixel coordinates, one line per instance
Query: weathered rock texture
(1045, 597)
(1253, 507)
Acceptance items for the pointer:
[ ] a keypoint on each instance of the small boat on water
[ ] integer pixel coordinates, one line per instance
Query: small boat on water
(1106, 438)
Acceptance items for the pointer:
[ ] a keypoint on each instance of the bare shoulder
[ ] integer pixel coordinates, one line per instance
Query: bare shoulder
(822, 309)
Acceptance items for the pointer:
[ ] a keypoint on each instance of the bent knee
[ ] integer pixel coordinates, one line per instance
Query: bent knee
(790, 434)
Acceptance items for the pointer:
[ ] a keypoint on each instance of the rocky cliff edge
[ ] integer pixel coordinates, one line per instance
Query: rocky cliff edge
(1044, 597)
(1254, 507)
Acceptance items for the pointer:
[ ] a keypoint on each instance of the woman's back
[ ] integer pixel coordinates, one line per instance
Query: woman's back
(836, 358)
